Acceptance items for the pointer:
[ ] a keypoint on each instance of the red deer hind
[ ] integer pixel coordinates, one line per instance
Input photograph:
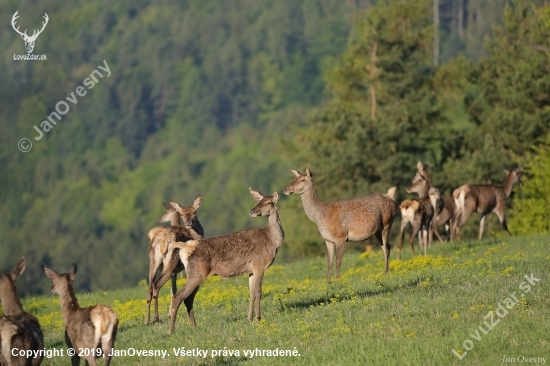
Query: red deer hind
(90, 331)
(349, 220)
(18, 329)
(166, 258)
(249, 251)
(421, 184)
(485, 198)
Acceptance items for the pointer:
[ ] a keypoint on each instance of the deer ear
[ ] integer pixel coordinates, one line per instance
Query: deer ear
(296, 173)
(504, 169)
(308, 173)
(175, 205)
(419, 166)
(519, 168)
(51, 273)
(166, 206)
(19, 268)
(72, 273)
(197, 202)
(275, 197)
(255, 194)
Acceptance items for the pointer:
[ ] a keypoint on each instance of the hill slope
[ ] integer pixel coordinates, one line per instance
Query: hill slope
(417, 314)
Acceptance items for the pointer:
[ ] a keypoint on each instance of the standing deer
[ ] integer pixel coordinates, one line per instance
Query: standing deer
(163, 256)
(90, 331)
(249, 251)
(348, 220)
(18, 329)
(445, 213)
(485, 198)
(171, 216)
(420, 214)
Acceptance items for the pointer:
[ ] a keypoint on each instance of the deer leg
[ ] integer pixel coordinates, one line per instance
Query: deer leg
(481, 225)
(255, 285)
(75, 359)
(189, 305)
(403, 227)
(437, 234)
(157, 285)
(339, 256)
(503, 221)
(383, 238)
(330, 257)
(153, 267)
(252, 289)
(108, 343)
(189, 290)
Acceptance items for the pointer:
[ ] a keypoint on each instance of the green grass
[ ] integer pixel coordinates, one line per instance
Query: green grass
(415, 315)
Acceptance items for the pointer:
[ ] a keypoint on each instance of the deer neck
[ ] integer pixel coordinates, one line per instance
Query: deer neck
(175, 220)
(276, 232)
(197, 232)
(424, 191)
(11, 303)
(313, 206)
(69, 303)
(508, 185)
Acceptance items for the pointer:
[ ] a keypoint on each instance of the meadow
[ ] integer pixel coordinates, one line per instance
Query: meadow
(417, 314)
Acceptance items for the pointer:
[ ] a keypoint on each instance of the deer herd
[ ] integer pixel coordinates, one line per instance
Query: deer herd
(182, 246)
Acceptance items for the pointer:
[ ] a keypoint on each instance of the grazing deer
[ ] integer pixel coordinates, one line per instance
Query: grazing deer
(163, 256)
(348, 220)
(249, 251)
(18, 329)
(485, 198)
(89, 331)
(444, 214)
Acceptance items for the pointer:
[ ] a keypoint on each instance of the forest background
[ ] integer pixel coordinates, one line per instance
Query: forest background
(212, 97)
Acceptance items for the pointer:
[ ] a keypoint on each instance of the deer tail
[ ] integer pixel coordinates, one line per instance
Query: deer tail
(459, 195)
(391, 192)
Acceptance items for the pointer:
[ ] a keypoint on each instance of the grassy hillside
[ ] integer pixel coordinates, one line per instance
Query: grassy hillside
(417, 314)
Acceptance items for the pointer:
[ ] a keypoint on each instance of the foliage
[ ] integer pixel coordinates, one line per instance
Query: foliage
(530, 214)
(208, 97)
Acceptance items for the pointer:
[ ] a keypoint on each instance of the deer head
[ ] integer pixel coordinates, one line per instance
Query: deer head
(301, 184)
(60, 282)
(7, 280)
(266, 204)
(29, 40)
(167, 216)
(188, 214)
(514, 175)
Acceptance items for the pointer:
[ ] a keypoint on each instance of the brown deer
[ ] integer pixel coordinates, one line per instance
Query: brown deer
(171, 216)
(249, 251)
(164, 257)
(348, 220)
(485, 198)
(445, 213)
(90, 331)
(18, 330)
(420, 214)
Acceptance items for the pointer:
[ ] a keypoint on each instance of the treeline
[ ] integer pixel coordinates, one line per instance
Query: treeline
(213, 97)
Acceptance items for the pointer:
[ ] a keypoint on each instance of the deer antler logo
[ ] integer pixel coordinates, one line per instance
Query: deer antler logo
(29, 40)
